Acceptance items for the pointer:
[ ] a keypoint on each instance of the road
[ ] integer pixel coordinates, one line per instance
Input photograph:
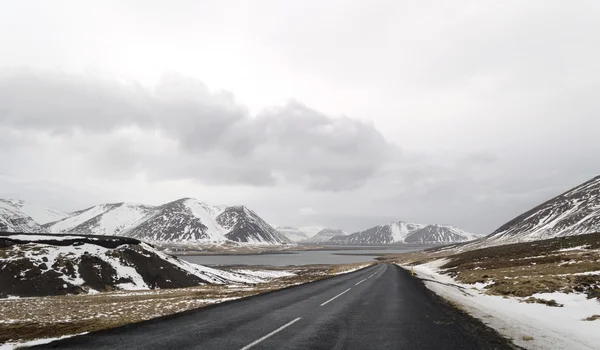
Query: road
(380, 307)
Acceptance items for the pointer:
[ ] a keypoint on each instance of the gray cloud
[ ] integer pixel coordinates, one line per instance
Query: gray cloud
(215, 139)
(493, 103)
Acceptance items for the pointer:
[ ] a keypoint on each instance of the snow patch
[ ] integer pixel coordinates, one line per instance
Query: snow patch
(14, 346)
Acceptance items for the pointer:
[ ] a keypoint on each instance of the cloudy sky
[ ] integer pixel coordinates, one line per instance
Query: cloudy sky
(339, 113)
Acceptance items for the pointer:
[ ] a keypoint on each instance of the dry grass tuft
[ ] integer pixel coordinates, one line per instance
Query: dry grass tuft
(551, 302)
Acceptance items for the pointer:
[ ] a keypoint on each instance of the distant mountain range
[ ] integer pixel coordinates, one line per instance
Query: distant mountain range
(409, 233)
(395, 232)
(574, 212)
(183, 220)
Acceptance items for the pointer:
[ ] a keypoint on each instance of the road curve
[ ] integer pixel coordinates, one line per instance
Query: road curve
(380, 307)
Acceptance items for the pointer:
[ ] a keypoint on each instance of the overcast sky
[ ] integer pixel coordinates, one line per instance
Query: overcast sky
(339, 113)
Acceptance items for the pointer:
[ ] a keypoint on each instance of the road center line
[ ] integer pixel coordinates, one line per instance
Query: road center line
(360, 282)
(270, 334)
(344, 292)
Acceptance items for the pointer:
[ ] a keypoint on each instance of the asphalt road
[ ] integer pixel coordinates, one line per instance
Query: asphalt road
(380, 307)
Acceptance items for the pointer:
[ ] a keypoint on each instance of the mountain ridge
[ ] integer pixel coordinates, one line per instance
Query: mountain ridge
(573, 212)
(180, 221)
(407, 233)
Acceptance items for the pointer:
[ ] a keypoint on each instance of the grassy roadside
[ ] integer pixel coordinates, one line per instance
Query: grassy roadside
(567, 264)
(46, 317)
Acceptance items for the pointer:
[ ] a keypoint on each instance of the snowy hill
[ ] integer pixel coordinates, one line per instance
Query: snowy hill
(12, 219)
(49, 264)
(574, 212)
(104, 219)
(402, 232)
(245, 226)
(39, 214)
(183, 220)
(325, 235)
(292, 233)
(439, 234)
(382, 234)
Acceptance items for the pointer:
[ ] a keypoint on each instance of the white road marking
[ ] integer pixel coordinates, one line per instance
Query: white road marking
(344, 292)
(360, 282)
(270, 334)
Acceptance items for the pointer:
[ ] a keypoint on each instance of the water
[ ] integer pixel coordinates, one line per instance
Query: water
(307, 257)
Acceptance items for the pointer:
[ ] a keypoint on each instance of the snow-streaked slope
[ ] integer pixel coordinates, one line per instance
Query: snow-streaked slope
(188, 220)
(245, 226)
(12, 219)
(574, 212)
(292, 233)
(183, 220)
(104, 219)
(394, 232)
(325, 235)
(439, 234)
(39, 214)
(84, 264)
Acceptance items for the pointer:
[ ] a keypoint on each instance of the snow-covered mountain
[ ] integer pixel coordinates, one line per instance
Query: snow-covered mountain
(39, 214)
(439, 234)
(183, 220)
(292, 233)
(13, 219)
(50, 264)
(325, 235)
(403, 232)
(103, 219)
(245, 226)
(382, 234)
(574, 212)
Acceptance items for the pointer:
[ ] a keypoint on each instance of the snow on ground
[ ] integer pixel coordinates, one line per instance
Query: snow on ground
(46, 238)
(550, 327)
(267, 274)
(49, 254)
(11, 346)
(581, 247)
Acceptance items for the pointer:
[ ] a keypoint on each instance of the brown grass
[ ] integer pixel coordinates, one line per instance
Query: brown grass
(527, 338)
(34, 318)
(524, 269)
(592, 318)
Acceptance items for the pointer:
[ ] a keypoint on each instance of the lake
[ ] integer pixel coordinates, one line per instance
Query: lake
(306, 257)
